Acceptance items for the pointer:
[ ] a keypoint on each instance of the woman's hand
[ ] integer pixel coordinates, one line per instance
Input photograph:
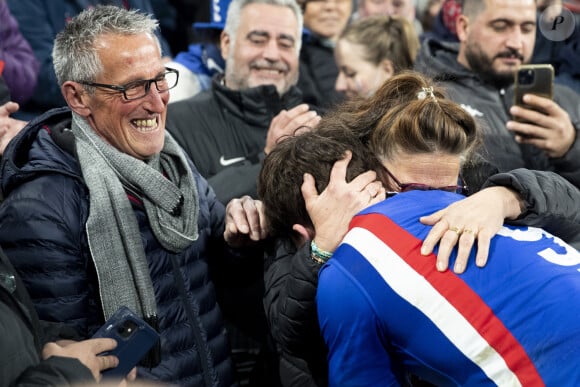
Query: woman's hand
(479, 216)
(332, 210)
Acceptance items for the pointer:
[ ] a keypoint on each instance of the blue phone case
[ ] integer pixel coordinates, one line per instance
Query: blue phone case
(134, 339)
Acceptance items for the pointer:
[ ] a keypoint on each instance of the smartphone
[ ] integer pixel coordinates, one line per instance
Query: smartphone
(134, 339)
(535, 79)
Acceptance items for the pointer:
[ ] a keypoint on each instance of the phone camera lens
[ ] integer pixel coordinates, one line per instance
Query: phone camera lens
(126, 329)
(526, 77)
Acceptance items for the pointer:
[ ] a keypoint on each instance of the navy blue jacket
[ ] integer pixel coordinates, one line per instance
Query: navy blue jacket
(22, 338)
(42, 230)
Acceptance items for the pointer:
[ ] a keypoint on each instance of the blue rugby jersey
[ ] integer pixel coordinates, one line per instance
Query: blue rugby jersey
(385, 311)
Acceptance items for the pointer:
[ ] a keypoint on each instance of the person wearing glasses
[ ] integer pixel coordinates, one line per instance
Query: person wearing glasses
(384, 310)
(39, 23)
(307, 223)
(103, 208)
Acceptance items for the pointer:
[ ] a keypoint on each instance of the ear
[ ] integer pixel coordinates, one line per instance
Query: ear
(225, 43)
(305, 233)
(461, 27)
(387, 66)
(76, 98)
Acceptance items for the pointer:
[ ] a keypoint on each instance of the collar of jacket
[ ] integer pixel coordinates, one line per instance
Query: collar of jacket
(255, 105)
(34, 143)
(438, 59)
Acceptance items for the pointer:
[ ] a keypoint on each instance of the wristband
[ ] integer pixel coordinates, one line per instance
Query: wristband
(318, 255)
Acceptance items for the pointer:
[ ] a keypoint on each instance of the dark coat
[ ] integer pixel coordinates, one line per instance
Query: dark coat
(21, 339)
(318, 73)
(224, 132)
(42, 230)
(291, 279)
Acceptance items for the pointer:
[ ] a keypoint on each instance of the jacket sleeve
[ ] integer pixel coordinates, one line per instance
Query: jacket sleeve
(41, 231)
(551, 201)
(21, 67)
(38, 30)
(56, 371)
(291, 279)
(568, 165)
(236, 181)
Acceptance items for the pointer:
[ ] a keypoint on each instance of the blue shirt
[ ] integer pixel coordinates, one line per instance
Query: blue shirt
(385, 311)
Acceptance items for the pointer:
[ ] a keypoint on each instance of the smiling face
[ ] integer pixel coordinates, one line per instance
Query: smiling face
(327, 18)
(265, 49)
(499, 39)
(402, 8)
(137, 127)
(356, 75)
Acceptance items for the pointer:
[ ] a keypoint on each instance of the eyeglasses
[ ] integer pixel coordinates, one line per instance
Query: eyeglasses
(404, 187)
(139, 89)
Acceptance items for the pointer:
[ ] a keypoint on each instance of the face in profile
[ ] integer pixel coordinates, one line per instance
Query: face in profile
(265, 50)
(327, 18)
(358, 77)
(134, 127)
(499, 39)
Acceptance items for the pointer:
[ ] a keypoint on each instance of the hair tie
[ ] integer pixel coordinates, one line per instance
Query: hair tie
(426, 92)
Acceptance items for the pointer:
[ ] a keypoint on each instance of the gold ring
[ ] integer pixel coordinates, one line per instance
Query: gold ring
(456, 230)
(468, 231)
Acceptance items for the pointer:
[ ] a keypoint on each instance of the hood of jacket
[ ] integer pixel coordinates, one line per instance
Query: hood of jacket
(438, 59)
(40, 147)
(255, 105)
(202, 58)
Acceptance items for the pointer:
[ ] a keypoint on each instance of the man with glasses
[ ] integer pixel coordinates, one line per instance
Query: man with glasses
(140, 88)
(103, 208)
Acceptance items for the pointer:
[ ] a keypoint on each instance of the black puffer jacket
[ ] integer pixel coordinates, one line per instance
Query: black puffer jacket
(291, 279)
(224, 132)
(318, 72)
(22, 336)
(42, 230)
(490, 104)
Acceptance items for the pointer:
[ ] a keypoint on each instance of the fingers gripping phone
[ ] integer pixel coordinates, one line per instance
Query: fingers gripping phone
(535, 79)
(134, 339)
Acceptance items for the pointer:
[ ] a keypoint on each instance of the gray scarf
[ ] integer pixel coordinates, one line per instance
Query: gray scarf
(167, 188)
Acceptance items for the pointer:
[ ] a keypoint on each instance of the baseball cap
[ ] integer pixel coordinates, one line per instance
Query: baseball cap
(217, 15)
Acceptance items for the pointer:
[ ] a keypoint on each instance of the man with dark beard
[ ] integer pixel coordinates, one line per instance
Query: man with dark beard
(495, 37)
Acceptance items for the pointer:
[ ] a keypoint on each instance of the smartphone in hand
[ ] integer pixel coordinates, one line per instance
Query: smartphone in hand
(134, 339)
(535, 79)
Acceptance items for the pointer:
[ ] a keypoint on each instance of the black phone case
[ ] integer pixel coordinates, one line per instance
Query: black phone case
(131, 346)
